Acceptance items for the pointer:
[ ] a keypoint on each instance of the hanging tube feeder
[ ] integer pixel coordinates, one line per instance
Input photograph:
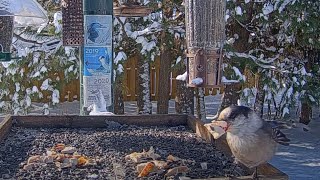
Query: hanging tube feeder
(205, 29)
(6, 31)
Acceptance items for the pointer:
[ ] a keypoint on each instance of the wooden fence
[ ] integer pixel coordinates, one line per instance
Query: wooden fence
(71, 91)
(131, 73)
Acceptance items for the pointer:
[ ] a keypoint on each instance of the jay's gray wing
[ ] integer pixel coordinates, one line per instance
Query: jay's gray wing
(276, 134)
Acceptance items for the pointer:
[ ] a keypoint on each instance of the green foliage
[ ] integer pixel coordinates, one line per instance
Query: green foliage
(38, 74)
(279, 40)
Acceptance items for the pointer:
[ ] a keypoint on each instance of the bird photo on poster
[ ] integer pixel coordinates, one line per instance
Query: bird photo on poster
(98, 30)
(97, 61)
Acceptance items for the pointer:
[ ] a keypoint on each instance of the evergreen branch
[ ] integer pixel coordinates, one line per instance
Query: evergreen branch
(26, 40)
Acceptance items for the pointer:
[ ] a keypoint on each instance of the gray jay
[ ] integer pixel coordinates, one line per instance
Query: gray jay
(252, 140)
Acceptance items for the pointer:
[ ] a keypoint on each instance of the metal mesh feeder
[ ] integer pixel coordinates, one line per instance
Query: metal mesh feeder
(205, 29)
(72, 22)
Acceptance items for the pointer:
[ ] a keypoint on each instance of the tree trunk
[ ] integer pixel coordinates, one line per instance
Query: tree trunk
(232, 91)
(184, 100)
(164, 78)
(143, 87)
(118, 95)
(200, 104)
(306, 113)
(259, 102)
(306, 109)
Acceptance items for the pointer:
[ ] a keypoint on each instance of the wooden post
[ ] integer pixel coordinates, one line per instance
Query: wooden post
(97, 82)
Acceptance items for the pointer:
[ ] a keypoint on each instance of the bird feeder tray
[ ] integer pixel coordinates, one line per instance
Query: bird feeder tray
(266, 171)
(131, 11)
(6, 32)
(72, 22)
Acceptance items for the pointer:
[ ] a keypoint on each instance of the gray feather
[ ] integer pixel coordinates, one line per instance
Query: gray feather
(276, 134)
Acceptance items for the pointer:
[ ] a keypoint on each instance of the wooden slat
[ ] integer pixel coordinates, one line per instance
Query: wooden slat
(98, 121)
(5, 127)
(131, 11)
(244, 178)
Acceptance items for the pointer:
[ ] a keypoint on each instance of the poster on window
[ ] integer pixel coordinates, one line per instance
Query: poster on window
(97, 75)
(98, 30)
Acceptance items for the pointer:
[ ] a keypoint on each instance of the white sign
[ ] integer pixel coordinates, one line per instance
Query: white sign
(97, 91)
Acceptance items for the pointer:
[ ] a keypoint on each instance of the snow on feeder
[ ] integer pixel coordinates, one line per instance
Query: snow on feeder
(131, 8)
(72, 22)
(205, 29)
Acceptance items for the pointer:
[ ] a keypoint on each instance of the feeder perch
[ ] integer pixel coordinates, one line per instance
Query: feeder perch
(205, 31)
(131, 8)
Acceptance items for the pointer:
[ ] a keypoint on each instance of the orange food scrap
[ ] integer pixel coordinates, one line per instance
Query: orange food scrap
(147, 169)
(82, 161)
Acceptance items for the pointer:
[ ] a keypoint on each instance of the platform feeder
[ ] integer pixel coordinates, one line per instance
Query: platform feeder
(205, 30)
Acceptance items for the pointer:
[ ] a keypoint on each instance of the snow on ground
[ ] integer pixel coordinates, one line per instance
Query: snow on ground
(300, 160)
